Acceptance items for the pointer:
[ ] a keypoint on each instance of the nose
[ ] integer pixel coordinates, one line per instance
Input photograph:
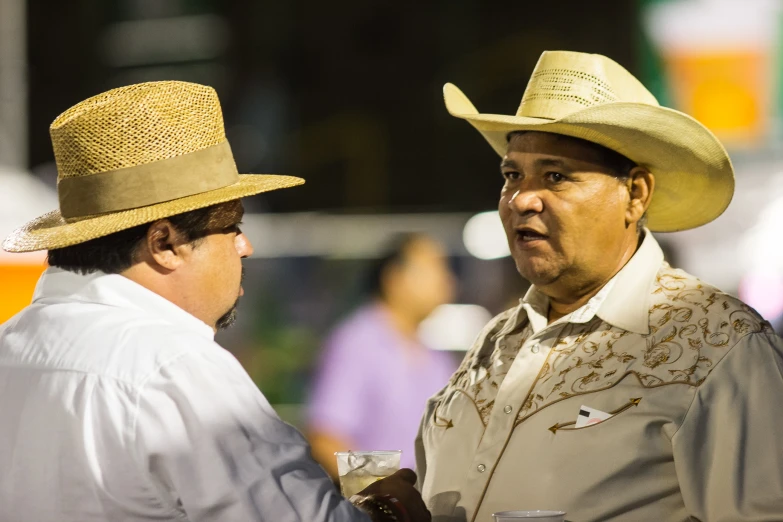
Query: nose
(526, 201)
(243, 245)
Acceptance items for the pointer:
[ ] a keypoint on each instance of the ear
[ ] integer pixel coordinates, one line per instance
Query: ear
(166, 246)
(641, 184)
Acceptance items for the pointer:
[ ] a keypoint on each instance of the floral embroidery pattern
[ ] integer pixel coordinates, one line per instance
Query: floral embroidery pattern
(692, 326)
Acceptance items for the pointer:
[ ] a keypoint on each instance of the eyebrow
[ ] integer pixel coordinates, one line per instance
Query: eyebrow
(508, 163)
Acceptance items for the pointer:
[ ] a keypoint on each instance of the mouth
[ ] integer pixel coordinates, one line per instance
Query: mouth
(528, 236)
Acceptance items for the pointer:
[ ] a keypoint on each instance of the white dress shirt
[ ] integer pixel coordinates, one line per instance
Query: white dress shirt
(115, 404)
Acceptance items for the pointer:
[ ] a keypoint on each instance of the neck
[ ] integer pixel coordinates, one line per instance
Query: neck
(573, 298)
(166, 287)
(401, 320)
(562, 306)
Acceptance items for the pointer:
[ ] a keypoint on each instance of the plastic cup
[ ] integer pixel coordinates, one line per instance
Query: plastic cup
(517, 516)
(359, 469)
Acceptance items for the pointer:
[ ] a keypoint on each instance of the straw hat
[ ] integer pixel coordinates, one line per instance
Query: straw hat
(591, 97)
(134, 155)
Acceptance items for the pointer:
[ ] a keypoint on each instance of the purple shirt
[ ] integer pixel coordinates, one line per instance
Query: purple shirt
(373, 384)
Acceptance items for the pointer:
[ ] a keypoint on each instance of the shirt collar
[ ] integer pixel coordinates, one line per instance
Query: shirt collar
(622, 302)
(57, 285)
(627, 306)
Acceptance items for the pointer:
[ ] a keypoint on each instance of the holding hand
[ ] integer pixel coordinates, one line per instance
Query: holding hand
(393, 499)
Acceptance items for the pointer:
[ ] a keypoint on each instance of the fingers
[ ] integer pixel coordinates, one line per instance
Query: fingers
(408, 475)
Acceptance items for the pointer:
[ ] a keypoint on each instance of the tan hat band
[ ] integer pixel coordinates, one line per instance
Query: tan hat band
(133, 187)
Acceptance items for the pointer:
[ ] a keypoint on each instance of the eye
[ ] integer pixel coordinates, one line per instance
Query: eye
(234, 228)
(555, 177)
(511, 175)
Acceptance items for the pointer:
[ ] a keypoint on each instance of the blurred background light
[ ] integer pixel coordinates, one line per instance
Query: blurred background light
(165, 40)
(484, 236)
(23, 197)
(761, 249)
(345, 236)
(764, 292)
(720, 60)
(453, 327)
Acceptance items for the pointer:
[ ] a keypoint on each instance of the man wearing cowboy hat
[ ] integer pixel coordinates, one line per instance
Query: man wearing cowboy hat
(116, 402)
(620, 388)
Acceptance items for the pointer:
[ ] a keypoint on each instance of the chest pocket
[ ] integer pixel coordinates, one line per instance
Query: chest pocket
(559, 427)
(455, 409)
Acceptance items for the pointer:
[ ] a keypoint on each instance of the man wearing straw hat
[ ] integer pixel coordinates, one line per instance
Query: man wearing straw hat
(116, 403)
(620, 388)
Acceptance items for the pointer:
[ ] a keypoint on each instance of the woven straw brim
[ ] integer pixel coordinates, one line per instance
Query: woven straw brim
(52, 231)
(694, 179)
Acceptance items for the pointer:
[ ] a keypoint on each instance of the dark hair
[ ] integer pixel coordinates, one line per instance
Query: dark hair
(620, 165)
(116, 252)
(394, 254)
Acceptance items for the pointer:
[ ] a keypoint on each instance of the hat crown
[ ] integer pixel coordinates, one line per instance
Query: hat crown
(136, 125)
(564, 82)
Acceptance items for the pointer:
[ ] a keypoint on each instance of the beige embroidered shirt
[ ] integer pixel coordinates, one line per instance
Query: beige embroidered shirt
(692, 378)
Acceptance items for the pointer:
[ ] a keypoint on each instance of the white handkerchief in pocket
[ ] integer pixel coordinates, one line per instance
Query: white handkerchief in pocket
(589, 416)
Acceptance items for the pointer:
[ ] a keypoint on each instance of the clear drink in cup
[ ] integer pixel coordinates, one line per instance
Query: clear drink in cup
(529, 516)
(359, 469)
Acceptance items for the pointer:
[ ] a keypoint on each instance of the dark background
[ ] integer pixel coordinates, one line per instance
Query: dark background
(346, 94)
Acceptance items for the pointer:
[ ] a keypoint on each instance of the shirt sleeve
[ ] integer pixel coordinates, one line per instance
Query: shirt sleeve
(215, 449)
(339, 396)
(728, 451)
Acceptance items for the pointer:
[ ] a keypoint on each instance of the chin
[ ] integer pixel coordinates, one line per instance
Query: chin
(537, 275)
(228, 319)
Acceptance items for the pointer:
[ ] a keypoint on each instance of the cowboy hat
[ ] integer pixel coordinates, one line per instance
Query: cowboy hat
(134, 155)
(591, 97)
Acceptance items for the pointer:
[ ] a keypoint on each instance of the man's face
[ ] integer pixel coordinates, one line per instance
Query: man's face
(216, 262)
(563, 211)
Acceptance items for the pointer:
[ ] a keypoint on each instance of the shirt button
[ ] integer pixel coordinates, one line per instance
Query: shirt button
(508, 409)
(536, 347)
(481, 468)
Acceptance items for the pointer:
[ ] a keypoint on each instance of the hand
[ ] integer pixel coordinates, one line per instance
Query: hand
(400, 486)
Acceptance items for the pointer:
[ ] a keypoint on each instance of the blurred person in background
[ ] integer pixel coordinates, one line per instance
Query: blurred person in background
(619, 388)
(116, 403)
(375, 375)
